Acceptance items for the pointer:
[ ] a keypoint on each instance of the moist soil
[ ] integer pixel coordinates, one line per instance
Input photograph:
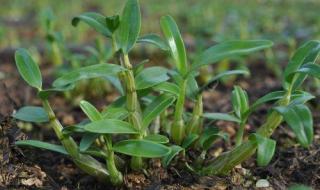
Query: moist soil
(29, 168)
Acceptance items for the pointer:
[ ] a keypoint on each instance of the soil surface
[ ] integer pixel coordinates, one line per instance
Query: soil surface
(39, 169)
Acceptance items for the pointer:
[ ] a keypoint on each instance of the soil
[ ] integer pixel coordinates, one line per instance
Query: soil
(38, 169)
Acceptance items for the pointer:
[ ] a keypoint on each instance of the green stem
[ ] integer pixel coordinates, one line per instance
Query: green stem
(178, 129)
(84, 162)
(239, 135)
(195, 124)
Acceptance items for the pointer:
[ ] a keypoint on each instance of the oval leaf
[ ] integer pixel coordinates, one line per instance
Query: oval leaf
(150, 77)
(240, 101)
(31, 114)
(175, 42)
(90, 111)
(141, 148)
(28, 69)
(44, 145)
(110, 126)
(92, 71)
(227, 49)
(94, 20)
(266, 149)
(130, 23)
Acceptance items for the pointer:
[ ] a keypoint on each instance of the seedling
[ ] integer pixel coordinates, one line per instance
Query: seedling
(159, 94)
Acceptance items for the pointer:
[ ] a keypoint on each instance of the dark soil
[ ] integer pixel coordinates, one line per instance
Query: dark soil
(38, 169)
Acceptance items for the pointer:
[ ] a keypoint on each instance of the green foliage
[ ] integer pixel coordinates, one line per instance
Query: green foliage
(43, 145)
(31, 114)
(265, 150)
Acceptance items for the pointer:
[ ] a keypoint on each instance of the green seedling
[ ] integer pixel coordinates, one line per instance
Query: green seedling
(156, 96)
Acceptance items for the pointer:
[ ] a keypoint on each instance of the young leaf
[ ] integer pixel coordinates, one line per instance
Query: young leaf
(168, 87)
(221, 75)
(28, 69)
(92, 71)
(265, 150)
(221, 116)
(175, 42)
(209, 136)
(113, 22)
(192, 87)
(240, 101)
(174, 152)
(299, 119)
(32, 114)
(87, 140)
(307, 53)
(130, 23)
(90, 111)
(94, 20)
(189, 140)
(227, 49)
(150, 77)
(155, 40)
(155, 108)
(44, 94)
(44, 145)
(110, 126)
(141, 148)
(157, 138)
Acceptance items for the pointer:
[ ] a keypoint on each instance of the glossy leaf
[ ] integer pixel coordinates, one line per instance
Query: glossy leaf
(44, 94)
(31, 114)
(150, 77)
(157, 138)
(299, 119)
(168, 87)
(221, 75)
(209, 136)
(110, 126)
(227, 49)
(115, 113)
(175, 150)
(130, 23)
(155, 108)
(175, 42)
(28, 69)
(94, 20)
(154, 39)
(92, 113)
(189, 140)
(44, 145)
(73, 129)
(88, 72)
(307, 53)
(265, 150)
(310, 69)
(87, 140)
(141, 148)
(221, 116)
(240, 101)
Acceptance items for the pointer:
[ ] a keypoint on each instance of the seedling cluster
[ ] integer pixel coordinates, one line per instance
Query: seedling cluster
(149, 120)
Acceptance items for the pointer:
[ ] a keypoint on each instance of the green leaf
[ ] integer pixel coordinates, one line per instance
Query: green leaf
(221, 116)
(92, 71)
(299, 119)
(265, 150)
(168, 87)
(90, 111)
(192, 87)
(44, 145)
(228, 49)
(113, 22)
(130, 23)
(189, 140)
(139, 67)
(174, 152)
(221, 75)
(44, 94)
(31, 114)
(310, 69)
(87, 140)
(28, 69)
(155, 40)
(94, 20)
(209, 136)
(157, 138)
(115, 113)
(175, 42)
(299, 187)
(141, 148)
(155, 108)
(307, 53)
(110, 126)
(240, 101)
(73, 129)
(97, 152)
(150, 77)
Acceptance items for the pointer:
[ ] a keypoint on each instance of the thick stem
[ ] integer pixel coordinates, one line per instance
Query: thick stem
(225, 162)
(178, 129)
(240, 132)
(84, 162)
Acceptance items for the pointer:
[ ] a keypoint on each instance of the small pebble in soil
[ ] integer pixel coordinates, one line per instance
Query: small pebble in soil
(261, 183)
